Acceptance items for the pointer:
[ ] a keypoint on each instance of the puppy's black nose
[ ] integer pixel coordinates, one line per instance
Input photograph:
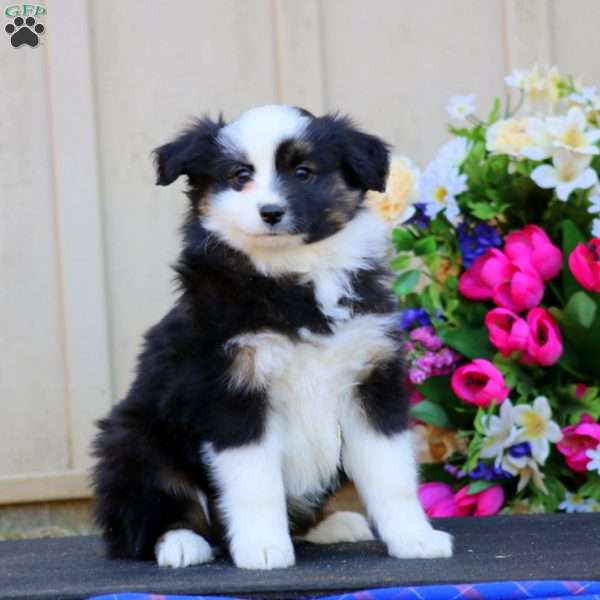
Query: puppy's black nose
(272, 213)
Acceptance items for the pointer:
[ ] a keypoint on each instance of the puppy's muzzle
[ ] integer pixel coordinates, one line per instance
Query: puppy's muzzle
(272, 213)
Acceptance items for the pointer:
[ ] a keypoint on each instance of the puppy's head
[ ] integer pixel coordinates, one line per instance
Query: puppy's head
(276, 176)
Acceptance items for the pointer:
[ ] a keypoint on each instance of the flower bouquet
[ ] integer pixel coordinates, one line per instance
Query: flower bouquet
(498, 272)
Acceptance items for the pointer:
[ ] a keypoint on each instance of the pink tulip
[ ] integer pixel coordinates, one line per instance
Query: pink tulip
(584, 263)
(506, 331)
(534, 245)
(512, 284)
(482, 504)
(479, 383)
(496, 269)
(437, 499)
(471, 285)
(524, 289)
(544, 346)
(577, 439)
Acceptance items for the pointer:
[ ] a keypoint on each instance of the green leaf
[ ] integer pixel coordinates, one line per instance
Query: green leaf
(430, 412)
(581, 309)
(425, 246)
(483, 210)
(571, 236)
(493, 117)
(406, 283)
(470, 342)
(479, 486)
(402, 240)
(438, 390)
(591, 489)
(401, 262)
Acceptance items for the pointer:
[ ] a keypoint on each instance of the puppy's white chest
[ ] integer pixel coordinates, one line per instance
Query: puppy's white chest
(310, 385)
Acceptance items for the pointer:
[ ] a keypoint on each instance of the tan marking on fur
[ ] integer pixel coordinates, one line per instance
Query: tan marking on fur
(242, 370)
(257, 357)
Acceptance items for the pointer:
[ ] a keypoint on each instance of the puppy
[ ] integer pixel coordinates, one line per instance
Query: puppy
(278, 372)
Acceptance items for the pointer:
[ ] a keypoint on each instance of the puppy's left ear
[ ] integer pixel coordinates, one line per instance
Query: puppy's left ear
(367, 160)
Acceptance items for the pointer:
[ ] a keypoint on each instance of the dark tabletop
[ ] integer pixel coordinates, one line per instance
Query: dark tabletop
(486, 549)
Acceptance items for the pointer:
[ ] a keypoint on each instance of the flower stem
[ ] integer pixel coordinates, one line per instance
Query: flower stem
(556, 292)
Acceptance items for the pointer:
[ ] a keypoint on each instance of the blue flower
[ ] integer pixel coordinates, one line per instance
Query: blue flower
(474, 240)
(414, 317)
(520, 450)
(489, 473)
(419, 219)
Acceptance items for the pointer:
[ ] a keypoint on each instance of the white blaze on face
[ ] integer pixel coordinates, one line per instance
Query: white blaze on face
(256, 135)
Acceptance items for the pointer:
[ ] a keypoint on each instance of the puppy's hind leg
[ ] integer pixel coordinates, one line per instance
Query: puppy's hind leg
(341, 526)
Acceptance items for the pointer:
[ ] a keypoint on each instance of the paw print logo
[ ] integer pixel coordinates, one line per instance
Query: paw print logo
(24, 32)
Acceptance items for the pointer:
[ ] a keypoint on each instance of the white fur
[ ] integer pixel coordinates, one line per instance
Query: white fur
(182, 548)
(234, 215)
(311, 385)
(340, 527)
(253, 503)
(384, 471)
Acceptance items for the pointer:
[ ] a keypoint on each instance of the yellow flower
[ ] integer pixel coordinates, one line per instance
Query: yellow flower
(393, 205)
(540, 87)
(508, 137)
(435, 444)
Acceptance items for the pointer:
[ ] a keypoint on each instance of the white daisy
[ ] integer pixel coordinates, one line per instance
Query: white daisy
(594, 199)
(594, 455)
(585, 97)
(570, 133)
(440, 184)
(461, 107)
(516, 79)
(537, 428)
(574, 503)
(453, 152)
(596, 228)
(569, 172)
(500, 432)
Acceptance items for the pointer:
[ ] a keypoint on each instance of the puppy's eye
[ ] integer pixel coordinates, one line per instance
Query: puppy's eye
(241, 177)
(303, 173)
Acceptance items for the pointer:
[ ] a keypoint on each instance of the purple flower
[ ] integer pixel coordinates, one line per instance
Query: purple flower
(519, 450)
(489, 473)
(454, 471)
(426, 362)
(417, 376)
(419, 219)
(445, 358)
(426, 337)
(474, 240)
(414, 316)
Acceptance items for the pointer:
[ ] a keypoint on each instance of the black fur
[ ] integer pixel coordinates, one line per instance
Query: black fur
(149, 463)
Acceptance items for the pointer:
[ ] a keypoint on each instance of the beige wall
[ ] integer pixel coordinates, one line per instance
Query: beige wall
(86, 239)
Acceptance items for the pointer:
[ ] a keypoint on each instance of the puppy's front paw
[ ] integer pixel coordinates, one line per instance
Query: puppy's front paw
(263, 554)
(427, 543)
(182, 548)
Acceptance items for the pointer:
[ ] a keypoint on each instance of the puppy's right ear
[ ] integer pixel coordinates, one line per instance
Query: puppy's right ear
(189, 154)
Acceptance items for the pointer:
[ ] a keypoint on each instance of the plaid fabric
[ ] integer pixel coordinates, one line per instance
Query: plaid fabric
(505, 590)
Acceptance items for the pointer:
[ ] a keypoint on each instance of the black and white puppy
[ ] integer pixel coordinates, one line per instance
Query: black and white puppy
(278, 372)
